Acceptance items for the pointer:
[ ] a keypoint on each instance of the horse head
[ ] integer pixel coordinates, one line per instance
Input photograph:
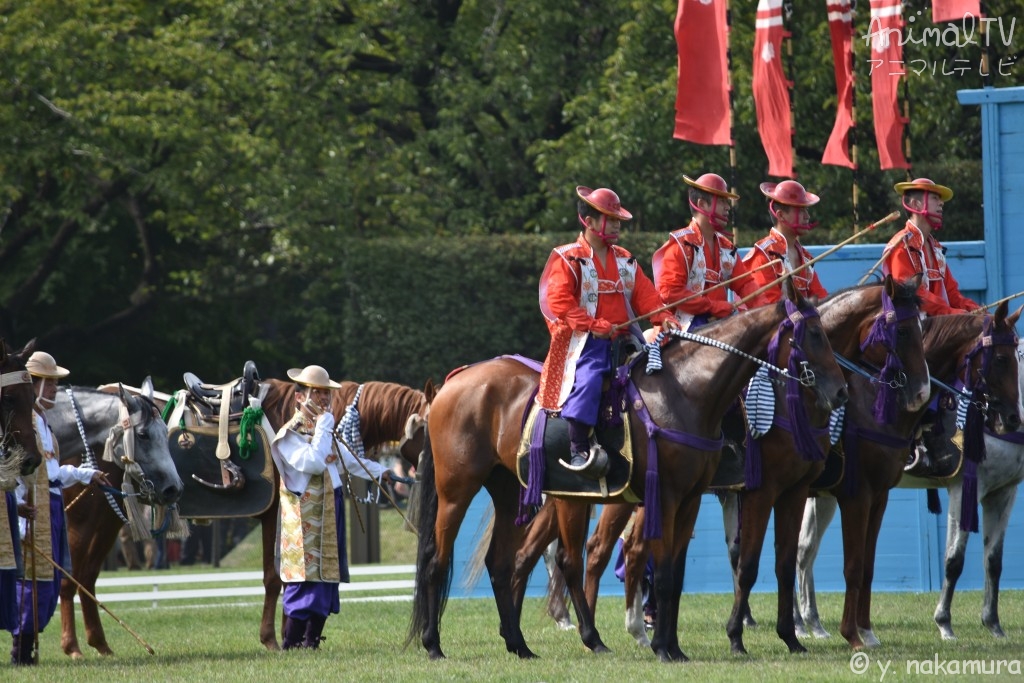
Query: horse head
(805, 348)
(18, 447)
(879, 326)
(992, 370)
(145, 445)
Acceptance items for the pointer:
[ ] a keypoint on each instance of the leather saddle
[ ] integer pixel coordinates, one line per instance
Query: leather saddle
(222, 457)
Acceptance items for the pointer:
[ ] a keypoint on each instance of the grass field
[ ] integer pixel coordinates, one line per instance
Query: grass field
(218, 642)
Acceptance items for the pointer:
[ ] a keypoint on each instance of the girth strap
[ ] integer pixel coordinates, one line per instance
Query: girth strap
(652, 492)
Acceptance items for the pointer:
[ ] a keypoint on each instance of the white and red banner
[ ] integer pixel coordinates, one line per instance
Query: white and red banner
(702, 97)
(954, 10)
(771, 90)
(840, 26)
(887, 68)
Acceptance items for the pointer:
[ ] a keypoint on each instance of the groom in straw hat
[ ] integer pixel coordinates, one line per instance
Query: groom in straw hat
(311, 554)
(39, 499)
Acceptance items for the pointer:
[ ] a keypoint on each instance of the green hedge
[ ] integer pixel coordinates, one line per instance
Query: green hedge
(406, 309)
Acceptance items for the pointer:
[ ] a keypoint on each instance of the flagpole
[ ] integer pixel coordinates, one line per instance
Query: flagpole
(733, 173)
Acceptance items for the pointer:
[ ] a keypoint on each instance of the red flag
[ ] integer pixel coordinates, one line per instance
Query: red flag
(771, 93)
(954, 10)
(702, 98)
(886, 68)
(840, 26)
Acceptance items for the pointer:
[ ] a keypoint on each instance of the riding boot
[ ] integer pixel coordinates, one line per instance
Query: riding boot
(313, 632)
(293, 633)
(579, 442)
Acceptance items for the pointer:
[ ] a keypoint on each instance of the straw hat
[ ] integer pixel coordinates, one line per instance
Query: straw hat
(790, 193)
(42, 364)
(924, 185)
(313, 376)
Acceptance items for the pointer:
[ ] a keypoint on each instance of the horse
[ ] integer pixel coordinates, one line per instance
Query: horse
(95, 518)
(985, 348)
(385, 408)
(19, 452)
(852, 319)
(473, 434)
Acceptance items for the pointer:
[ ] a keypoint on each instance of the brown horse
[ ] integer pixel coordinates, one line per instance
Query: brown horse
(979, 349)
(384, 409)
(94, 518)
(851, 319)
(473, 435)
(18, 448)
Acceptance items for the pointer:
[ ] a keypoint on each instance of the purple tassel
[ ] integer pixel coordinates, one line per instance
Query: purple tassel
(883, 332)
(884, 409)
(535, 484)
(652, 492)
(969, 497)
(804, 441)
(752, 464)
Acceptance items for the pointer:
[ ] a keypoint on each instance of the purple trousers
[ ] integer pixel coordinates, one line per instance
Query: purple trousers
(47, 586)
(584, 399)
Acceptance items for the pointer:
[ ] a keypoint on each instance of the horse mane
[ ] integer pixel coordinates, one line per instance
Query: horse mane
(940, 329)
(384, 407)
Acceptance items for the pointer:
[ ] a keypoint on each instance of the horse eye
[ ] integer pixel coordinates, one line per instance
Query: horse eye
(142, 435)
(902, 333)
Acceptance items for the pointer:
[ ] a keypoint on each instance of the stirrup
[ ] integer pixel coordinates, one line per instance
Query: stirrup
(596, 465)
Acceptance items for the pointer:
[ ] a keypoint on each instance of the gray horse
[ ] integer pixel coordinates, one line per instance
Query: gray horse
(138, 456)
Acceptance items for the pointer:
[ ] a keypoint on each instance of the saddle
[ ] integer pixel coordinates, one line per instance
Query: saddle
(220, 443)
(546, 436)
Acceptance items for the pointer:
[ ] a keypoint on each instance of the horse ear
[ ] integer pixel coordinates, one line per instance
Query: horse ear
(30, 347)
(890, 286)
(123, 394)
(147, 387)
(1002, 310)
(1012, 320)
(429, 390)
(790, 291)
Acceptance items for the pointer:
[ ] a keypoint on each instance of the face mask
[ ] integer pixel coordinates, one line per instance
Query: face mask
(719, 224)
(798, 228)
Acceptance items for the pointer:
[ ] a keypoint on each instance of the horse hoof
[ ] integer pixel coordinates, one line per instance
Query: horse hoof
(435, 655)
(819, 632)
(795, 648)
(749, 622)
(600, 649)
(738, 649)
(997, 631)
(525, 653)
(869, 638)
(566, 626)
(76, 655)
(800, 631)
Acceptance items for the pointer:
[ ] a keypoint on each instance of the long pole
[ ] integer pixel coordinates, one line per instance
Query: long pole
(979, 309)
(85, 591)
(30, 497)
(888, 219)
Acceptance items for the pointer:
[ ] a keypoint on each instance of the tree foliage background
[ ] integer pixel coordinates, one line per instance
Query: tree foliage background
(187, 184)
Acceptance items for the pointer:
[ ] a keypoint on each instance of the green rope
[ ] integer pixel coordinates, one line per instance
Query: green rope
(168, 409)
(246, 428)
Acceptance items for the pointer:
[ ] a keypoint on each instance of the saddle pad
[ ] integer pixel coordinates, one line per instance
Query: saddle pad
(198, 501)
(560, 481)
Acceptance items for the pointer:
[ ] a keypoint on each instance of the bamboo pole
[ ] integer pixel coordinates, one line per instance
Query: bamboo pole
(981, 309)
(888, 219)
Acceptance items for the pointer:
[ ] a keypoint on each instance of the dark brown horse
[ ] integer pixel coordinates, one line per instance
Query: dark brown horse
(851, 319)
(979, 349)
(18, 448)
(473, 435)
(94, 518)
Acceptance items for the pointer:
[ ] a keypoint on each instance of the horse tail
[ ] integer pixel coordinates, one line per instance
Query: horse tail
(426, 550)
(475, 566)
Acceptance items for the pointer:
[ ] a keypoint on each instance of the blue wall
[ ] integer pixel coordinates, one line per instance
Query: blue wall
(912, 541)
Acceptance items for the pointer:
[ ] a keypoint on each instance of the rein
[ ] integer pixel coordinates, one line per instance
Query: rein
(884, 332)
(90, 459)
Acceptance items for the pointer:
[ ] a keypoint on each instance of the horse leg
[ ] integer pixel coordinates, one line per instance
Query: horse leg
(730, 501)
(541, 531)
(600, 546)
(996, 509)
(68, 634)
(573, 519)
(788, 514)
(818, 514)
(755, 508)
(271, 579)
(678, 519)
(87, 553)
(636, 552)
(956, 547)
(877, 510)
(854, 520)
(501, 559)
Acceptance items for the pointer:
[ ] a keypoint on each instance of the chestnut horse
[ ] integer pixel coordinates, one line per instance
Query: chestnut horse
(19, 452)
(473, 435)
(92, 521)
(384, 410)
(980, 350)
(860, 328)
